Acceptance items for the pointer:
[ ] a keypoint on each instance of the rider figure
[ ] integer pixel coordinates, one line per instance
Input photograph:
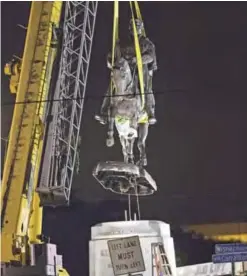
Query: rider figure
(149, 66)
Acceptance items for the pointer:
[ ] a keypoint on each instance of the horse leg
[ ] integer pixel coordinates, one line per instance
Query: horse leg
(143, 133)
(110, 133)
(124, 148)
(130, 150)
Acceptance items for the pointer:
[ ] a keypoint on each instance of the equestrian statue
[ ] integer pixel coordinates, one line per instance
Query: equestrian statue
(124, 106)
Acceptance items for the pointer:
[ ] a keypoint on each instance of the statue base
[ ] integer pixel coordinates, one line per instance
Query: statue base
(124, 179)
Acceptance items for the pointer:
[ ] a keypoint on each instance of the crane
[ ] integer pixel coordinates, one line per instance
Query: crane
(49, 82)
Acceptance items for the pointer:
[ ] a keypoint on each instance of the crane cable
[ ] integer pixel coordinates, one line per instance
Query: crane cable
(115, 39)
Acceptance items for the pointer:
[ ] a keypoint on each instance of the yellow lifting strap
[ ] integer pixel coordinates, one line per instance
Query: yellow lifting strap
(138, 50)
(115, 35)
(136, 41)
(139, 16)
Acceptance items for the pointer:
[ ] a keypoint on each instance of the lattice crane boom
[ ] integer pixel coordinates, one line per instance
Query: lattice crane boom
(63, 131)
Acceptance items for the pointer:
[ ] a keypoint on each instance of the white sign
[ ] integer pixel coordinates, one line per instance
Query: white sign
(126, 255)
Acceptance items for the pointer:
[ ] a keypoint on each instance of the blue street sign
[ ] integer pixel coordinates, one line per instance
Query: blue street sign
(230, 248)
(229, 258)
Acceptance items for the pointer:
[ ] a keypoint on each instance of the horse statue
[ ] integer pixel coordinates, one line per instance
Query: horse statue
(126, 113)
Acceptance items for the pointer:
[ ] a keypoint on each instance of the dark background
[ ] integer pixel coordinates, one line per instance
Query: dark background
(196, 152)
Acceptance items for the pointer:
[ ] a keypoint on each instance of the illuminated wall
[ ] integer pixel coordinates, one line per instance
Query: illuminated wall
(221, 232)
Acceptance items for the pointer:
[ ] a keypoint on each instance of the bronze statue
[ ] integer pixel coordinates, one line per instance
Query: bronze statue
(126, 112)
(149, 66)
(124, 107)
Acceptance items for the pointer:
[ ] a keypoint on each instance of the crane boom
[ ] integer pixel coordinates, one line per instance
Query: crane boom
(62, 135)
(25, 140)
(44, 135)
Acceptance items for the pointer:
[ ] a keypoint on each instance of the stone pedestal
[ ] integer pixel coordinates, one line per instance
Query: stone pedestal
(150, 233)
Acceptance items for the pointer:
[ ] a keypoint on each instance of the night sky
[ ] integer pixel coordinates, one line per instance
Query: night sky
(197, 151)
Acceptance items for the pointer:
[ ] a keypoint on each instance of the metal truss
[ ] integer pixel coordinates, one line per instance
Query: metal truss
(62, 133)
